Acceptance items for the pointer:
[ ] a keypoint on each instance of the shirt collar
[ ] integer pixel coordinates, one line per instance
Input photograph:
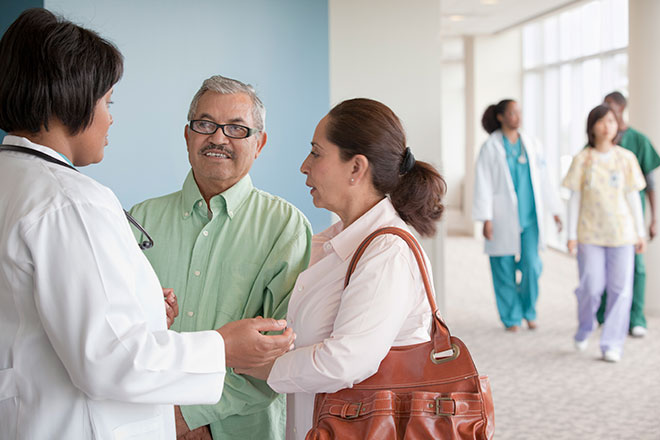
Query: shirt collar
(346, 241)
(229, 201)
(20, 141)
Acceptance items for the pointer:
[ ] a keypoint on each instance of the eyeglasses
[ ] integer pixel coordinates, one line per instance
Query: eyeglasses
(233, 131)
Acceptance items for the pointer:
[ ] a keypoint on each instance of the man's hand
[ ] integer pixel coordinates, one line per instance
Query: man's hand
(259, 372)
(653, 231)
(246, 347)
(171, 306)
(184, 433)
(488, 230)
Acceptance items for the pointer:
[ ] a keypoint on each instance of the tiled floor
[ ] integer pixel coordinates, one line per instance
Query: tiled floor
(542, 387)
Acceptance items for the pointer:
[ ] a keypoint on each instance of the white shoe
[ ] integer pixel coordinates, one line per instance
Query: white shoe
(612, 356)
(581, 345)
(638, 331)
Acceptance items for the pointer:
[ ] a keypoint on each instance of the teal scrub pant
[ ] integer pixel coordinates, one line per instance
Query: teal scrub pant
(517, 301)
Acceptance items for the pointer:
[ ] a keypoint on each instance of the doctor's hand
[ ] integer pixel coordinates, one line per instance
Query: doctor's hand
(246, 347)
(259, 372)
(558, 223)
(488, 230)
(171, 305)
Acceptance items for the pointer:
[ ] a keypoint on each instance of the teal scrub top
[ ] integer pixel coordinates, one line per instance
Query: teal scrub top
(522, 181)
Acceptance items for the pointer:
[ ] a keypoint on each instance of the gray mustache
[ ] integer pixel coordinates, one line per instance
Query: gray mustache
(218, 149)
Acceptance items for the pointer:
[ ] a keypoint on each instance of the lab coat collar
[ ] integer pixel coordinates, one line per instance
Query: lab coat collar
(20, 141)
(346, 241)
(229, 201)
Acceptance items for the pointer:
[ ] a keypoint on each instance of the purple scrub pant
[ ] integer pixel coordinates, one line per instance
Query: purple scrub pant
(601, 268)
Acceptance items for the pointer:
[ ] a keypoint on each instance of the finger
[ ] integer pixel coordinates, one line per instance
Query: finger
(269, 324)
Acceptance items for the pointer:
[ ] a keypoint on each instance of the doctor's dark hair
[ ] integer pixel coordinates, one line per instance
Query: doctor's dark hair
(489, 120)
(52, 68)
(595, 115)
(370, 128)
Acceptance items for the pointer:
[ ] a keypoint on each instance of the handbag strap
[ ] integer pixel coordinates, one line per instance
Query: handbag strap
(439, 330)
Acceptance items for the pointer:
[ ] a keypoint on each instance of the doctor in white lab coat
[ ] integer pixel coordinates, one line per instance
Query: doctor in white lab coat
(84, 348)
(511, 193)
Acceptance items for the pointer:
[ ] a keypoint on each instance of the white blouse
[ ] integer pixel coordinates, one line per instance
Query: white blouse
(344, 334)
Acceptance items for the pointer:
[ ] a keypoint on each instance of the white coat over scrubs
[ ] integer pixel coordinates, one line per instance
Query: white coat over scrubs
(495, 196)
(84, 348)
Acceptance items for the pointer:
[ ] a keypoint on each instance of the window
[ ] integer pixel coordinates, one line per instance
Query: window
(571, 60)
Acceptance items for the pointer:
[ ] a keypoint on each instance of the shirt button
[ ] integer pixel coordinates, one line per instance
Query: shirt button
(300, 288)
(199, 203)
(205, 233)
(186, 214)
(231, 213)
(191, 313)
(197, 273)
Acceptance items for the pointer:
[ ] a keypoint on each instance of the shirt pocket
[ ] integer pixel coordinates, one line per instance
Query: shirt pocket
(148, 429)
(8, 402)
(234, 289)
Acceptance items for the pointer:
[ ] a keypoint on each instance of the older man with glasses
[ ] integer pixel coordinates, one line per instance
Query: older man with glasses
(229, 250)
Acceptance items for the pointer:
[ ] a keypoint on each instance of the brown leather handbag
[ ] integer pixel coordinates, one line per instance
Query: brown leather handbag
(430, 390)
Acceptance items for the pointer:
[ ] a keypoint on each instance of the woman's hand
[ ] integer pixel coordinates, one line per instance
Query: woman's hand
(572, 246)
(488, 230)
(258, 372)
(558, 223)
(171, 305)
(640, 247)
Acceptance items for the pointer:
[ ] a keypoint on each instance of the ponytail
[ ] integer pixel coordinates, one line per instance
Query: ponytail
(489, 120)
(418, 197)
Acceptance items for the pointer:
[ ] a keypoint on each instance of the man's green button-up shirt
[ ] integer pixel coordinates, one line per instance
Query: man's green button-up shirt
(238, 258)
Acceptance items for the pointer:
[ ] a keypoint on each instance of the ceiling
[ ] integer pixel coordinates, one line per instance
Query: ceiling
(470, 17)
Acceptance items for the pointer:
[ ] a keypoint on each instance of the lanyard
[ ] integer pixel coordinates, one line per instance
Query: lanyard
(148, 243)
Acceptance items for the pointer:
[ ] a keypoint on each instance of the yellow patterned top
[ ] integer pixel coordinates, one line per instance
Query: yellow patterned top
(604, 180)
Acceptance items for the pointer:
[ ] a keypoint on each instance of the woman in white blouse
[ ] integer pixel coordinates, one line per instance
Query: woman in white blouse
(360, 169)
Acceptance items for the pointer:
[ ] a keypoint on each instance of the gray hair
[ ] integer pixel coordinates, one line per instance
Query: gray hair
(228, 86)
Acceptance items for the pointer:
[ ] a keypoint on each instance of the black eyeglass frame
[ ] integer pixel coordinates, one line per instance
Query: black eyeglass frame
(250, 131)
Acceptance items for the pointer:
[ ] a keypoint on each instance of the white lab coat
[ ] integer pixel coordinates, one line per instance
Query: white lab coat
(84, 348)
(495, 197)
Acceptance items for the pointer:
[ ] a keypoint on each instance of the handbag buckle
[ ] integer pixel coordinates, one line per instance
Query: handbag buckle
(438, 406)
(351, 416)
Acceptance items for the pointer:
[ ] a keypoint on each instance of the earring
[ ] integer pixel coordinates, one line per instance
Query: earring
(352, 180)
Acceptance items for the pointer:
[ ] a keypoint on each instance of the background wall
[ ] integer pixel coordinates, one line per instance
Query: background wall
(383, 50)
(170, 47)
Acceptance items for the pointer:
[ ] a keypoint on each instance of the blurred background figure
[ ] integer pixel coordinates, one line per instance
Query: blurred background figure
(605, 223)
(648, 160)
(511, 192)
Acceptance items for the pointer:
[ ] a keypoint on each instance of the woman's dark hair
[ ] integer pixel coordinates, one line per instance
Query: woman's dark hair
(489, 120)
(595, 115)
(368, 127)
(52, 68)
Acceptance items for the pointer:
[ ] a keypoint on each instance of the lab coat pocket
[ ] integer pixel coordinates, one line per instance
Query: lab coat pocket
(148, 429)
(8, 402)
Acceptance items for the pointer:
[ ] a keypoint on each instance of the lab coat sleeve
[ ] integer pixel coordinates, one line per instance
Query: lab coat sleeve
(373, 308)
(102, 317)
(482, 204)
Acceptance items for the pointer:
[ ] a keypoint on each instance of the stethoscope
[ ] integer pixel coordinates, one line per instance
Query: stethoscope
(522, 159)
(146, 244)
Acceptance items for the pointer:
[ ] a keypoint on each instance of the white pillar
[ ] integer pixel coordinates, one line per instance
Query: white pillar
(644, 110)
